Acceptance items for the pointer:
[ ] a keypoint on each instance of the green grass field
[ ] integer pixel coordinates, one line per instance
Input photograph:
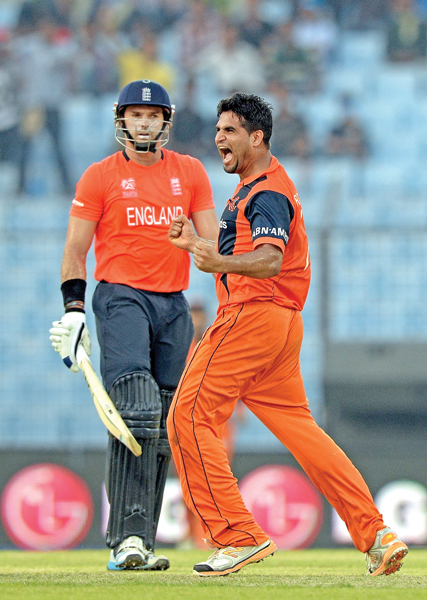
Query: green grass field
(303, 574)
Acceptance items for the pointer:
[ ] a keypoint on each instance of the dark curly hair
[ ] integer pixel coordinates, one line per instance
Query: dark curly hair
(254, 113)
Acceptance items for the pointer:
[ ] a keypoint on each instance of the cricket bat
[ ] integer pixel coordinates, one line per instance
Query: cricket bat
(104, 405)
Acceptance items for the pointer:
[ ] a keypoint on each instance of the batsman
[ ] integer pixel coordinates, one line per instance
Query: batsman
(126, 204)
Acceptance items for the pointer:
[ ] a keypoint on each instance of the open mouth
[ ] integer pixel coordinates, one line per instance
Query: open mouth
(226, 154)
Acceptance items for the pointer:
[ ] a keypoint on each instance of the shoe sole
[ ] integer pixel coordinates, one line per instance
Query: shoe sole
(160, 565)
(392, 560)
(255, 558)
(133, 562)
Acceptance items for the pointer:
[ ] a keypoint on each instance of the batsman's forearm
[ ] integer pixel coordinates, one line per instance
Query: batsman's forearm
(73, 265)
(79, 239)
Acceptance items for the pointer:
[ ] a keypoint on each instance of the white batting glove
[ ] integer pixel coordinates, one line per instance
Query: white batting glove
(66, 335)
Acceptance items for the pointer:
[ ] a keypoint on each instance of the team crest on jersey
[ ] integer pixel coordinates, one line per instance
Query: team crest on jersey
(231, 204)
(176, 186)
(129, 188)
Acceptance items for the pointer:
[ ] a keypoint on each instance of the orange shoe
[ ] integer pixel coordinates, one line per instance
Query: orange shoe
(386, 555)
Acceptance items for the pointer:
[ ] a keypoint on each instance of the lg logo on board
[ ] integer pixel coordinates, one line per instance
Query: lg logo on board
(46, 507)
(403, 505)
(285, 504)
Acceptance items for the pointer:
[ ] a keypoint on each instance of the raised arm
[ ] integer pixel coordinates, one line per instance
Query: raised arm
(263, 262)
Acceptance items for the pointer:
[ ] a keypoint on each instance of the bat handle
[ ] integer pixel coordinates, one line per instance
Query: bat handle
(81, 354)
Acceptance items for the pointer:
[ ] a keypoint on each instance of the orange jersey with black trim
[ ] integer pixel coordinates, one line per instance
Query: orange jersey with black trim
(133, 207)
(265, 209)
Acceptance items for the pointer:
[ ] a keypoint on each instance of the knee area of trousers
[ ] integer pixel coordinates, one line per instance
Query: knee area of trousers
(181, 415)
(178, 429)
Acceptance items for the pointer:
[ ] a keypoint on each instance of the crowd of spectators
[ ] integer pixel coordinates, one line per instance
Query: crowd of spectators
(200, 50)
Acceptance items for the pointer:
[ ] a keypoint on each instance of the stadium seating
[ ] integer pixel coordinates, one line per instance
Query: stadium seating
(366, 221)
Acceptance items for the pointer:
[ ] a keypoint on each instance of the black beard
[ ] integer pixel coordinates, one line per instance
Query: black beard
(231, 170)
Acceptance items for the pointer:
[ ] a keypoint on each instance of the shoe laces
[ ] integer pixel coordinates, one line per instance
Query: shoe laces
(215, 553)
(132, 541)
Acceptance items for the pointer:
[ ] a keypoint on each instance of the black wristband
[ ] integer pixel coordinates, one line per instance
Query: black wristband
(73, 289)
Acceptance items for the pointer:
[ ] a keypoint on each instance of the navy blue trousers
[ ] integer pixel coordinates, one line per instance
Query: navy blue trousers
(142, 331)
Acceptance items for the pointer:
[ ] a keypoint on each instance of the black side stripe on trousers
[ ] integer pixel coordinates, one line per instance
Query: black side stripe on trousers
(198, 448)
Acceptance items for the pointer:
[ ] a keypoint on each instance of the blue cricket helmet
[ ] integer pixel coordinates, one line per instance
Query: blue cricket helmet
(145, 91)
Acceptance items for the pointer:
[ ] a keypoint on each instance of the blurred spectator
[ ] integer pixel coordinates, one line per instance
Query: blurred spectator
(29, 14)
(10, 113)
(190, 133)
(253, 29)
(233, 65)
(290, 132)
(295, 67)
(144, 63)
(348, 137)
(95, 63)
(360, 14)
(198, 29)
(58, 12)
(406, 34)
(46, 57)
(315, 31)
(155, 15)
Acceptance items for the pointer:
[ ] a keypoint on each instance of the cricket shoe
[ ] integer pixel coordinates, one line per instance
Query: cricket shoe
(132, 554)
(156, 563)
(229, 560)
(386, 555)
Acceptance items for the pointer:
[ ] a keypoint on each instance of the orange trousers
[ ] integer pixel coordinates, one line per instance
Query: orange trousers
(252, 352)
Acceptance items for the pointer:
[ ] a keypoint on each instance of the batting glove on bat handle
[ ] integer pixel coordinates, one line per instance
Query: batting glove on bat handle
(66, 335)
(81, 354)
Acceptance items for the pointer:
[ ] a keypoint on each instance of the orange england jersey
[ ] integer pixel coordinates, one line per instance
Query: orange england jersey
(265, 209)
(133, 207)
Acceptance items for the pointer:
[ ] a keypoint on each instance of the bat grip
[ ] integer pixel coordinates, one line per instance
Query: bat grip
(81, 354)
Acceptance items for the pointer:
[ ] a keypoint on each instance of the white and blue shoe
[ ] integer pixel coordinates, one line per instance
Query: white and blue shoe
(131, 554)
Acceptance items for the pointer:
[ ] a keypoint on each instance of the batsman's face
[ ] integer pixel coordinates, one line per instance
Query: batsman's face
(233, 143)
(143, 122)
